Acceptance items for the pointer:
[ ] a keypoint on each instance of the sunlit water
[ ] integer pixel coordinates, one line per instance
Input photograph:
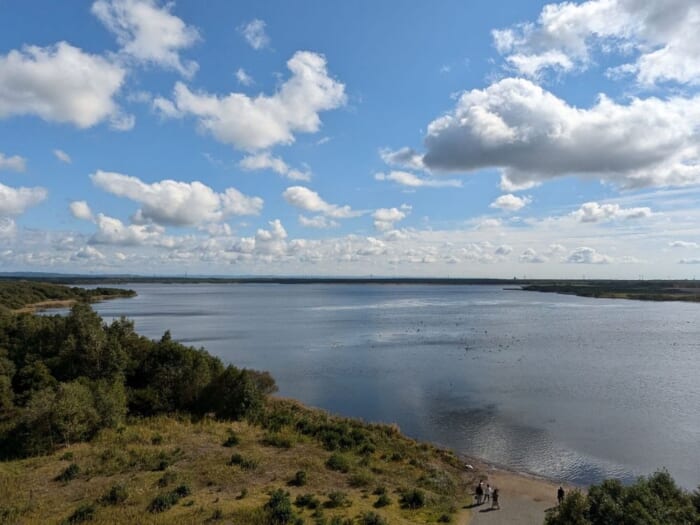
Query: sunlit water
(571, 388)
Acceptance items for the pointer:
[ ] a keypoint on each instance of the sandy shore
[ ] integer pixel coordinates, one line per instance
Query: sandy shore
(523, 498)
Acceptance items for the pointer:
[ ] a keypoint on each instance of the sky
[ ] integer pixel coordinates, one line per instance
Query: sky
(389, 138)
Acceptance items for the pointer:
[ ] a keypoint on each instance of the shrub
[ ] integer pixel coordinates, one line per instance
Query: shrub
(279, 508)
(412, 499)
(444, 518)
(232, 440)
(115, 495)
(163, 502)
(372, 518)
(299, 479)
(70, 473)
(307, 500)
(277, 440)
(245, 464)
(338, 462)
(157, 439)
(85, 512)
(166, 479)
(382, 501)
(337, 499)
(360, 479)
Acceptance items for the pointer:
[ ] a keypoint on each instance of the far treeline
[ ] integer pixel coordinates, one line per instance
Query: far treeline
(19, 294)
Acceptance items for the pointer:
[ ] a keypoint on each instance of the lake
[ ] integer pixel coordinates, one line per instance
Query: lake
(571, 388)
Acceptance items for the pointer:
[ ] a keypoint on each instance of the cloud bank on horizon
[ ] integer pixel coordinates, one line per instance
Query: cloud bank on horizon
(164, 139)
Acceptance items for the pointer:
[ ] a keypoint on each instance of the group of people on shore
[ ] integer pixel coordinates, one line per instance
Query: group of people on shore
(485, 493)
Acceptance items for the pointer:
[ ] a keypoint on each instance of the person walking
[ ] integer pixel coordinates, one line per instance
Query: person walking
(494, 500)
(479, 493)
(488, 491)
(560, 495)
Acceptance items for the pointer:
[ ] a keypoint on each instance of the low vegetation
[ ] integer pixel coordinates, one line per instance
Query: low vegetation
(17, 295)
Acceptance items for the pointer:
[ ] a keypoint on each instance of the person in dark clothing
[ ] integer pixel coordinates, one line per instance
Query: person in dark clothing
(560, 495)
(479, 494)
(494, 500)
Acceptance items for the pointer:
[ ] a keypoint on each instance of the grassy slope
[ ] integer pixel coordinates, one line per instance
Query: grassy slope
(196, 457)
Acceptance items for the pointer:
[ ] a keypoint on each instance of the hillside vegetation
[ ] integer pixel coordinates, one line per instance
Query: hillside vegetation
(16, 295)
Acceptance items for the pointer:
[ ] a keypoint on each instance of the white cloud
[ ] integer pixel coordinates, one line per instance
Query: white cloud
(60, 83)
(412, 181)
(81, 210)
(88, 252)
(112, 231)
(404, 158)
(263, 121)
(14, 163)
(14, 201)
(531, 256)
(534, 136)
(308, 200)
(510, 202)
(503, 249)
(62, 156)
(594, 212)
(255, 35)
(319, 221)
(683, 244)
(176, 203)
(149, 33)
(585, 255)
(659, 37)
(385, 218)
(244, 78)
(8, 228)
(689, 261)
(265, 160)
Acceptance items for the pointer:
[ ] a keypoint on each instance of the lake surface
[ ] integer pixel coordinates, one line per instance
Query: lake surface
(571, 388)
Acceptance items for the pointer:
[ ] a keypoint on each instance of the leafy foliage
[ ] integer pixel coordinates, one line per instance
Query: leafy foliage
(654, 500)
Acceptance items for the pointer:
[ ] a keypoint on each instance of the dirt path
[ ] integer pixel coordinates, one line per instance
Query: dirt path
(523, 500)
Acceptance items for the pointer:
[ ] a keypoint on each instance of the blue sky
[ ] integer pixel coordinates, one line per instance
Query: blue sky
(390, 138)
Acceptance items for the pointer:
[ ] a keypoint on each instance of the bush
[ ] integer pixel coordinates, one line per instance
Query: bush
(412, 499)
(307, 500)
(339, 463)
(361, 479)
(337, 499)
(279, 508)
(115, 495)
(231, 441)
(444, 518)
(372, 518)
(277, 440)
(245, 464)
(166, 479)
(382, 501)
(70, 473)
(163, 502)
(85, 512)
(299, 479)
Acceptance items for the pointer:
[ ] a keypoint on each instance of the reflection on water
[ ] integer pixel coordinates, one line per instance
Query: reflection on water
(572, 388)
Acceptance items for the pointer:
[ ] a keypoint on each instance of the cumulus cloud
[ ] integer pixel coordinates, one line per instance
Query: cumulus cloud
(62, 156)
(14, 163)
(60, 83)
(81, 210)
(660, 37)
(255, 123)
(254, 33)
(385, 218)
(405, 178)
(503, 249)
(533, 136)
(531, 256)
(585, 255)
(510, 202)
(8, 228)
(319, 221)
(689, 261)
(88, 252)
(149, 33)
(176, 203)
(265, 161)
(113, 231)
(14, 201)
(404, 158)
(594, 212)
(244, 78)
(308, 200)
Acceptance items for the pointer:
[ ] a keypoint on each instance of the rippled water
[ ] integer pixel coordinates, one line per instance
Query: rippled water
(571, 388)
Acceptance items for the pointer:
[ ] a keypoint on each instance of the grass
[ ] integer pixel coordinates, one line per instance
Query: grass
(119, 480)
